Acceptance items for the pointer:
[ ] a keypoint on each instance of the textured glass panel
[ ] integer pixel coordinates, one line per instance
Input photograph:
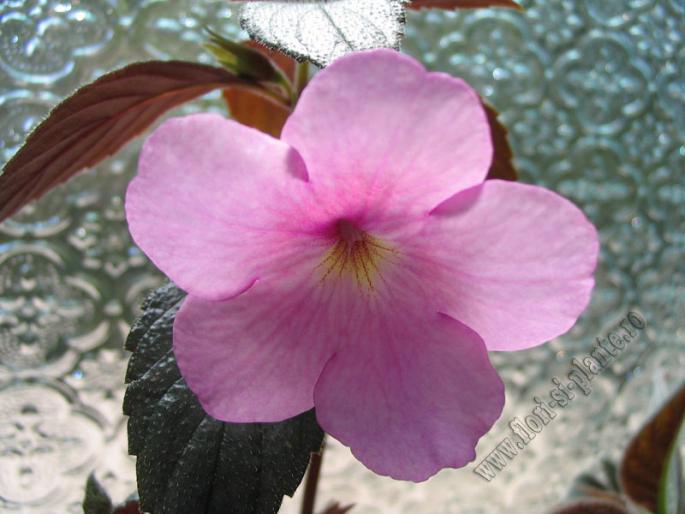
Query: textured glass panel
(593, 92)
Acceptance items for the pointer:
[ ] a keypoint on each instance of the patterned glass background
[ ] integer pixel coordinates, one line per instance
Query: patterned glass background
(593, 92)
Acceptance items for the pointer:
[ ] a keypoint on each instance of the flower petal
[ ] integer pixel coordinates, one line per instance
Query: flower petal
(376, 127)
(411, 396)
(256, 357)
(515, 262)
(215, 203)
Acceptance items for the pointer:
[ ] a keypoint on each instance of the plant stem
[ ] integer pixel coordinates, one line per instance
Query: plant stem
(301, 79)
(312, 481)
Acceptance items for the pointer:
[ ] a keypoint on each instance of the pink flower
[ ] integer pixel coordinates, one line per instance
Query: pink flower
(359, 265)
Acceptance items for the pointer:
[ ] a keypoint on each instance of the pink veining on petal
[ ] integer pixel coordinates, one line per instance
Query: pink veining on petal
(214, 203)
(514, 262)
(382, 134)
(411, 394)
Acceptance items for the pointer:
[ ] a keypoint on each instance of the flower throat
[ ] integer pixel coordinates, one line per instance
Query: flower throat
(355, 254)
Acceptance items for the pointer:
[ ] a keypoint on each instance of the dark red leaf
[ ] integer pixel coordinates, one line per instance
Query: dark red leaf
(287, 64)
(502, 166)
(130, 507)
(591, 507)
(243, 60)
(97, 120)
(645, 459)
(256, 110)
(462, 4)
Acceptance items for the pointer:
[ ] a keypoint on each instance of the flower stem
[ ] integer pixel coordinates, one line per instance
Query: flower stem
(312, 481)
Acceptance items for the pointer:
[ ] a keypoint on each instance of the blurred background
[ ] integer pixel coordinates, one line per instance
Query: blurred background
(593, 93)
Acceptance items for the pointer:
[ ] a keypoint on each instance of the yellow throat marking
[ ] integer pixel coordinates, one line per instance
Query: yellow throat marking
(355, 254)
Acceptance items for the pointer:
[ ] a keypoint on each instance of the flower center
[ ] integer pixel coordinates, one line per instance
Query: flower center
(355, 254)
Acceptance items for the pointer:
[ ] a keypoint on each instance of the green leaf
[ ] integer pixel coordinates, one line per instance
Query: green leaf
(671, 498)
(189, 462)
(97, 500)
(645, 460)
